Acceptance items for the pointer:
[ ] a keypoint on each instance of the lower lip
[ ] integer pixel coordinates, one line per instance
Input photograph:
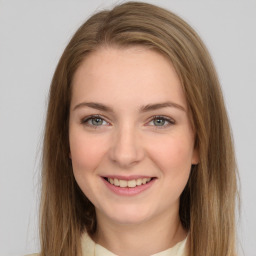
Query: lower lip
(129, 191)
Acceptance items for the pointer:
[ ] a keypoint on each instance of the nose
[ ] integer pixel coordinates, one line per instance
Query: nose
(126, 147)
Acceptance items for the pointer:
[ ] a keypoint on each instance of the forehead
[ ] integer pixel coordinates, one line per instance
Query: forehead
(136, 72)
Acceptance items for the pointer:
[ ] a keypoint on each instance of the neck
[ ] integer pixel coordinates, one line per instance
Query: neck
(141, 239)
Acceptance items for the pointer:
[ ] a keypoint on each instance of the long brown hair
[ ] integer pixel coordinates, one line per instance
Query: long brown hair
(207, 204)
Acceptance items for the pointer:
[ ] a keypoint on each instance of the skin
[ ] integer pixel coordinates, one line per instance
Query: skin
(129, 142)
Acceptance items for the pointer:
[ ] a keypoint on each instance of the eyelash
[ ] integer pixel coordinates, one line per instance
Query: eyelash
(86, 120)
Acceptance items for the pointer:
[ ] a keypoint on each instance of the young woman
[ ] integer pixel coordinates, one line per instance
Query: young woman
(138, 156)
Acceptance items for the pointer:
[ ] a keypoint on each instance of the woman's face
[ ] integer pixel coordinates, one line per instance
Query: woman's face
(129, 125)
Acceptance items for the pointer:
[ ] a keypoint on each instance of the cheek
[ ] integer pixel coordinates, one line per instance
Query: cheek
(173, 158)
(86, 152)
(173, 155)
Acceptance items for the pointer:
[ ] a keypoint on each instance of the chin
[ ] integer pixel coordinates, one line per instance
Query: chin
(129, 216)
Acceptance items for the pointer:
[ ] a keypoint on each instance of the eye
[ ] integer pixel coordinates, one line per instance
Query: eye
(161, 121)
(94, 121)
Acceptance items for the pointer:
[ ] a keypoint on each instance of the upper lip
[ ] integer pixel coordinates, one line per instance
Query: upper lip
(131, 177)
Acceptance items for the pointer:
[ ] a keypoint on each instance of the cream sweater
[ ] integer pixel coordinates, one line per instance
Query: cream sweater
(90, 248)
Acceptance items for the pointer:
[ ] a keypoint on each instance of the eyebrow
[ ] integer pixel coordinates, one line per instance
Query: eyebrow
(146, 108)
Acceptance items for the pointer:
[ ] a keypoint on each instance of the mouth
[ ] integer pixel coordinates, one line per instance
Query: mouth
(129, 183)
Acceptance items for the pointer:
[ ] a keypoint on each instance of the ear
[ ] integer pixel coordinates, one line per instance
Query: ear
(195, 157)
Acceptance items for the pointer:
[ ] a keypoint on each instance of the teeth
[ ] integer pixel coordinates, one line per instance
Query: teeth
(116, 182)
(123, 183)
(129, 183)
(139, 182)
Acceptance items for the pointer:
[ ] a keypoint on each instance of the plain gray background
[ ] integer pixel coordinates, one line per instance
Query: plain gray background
(33, 35)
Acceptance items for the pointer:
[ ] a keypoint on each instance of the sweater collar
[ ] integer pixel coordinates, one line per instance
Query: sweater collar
(90, 248)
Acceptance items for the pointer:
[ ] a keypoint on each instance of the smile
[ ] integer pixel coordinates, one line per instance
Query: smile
(128, 183)
(128, 186)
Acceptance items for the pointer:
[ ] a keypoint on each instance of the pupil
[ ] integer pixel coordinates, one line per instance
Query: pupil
(159, 122)
(97, 121)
